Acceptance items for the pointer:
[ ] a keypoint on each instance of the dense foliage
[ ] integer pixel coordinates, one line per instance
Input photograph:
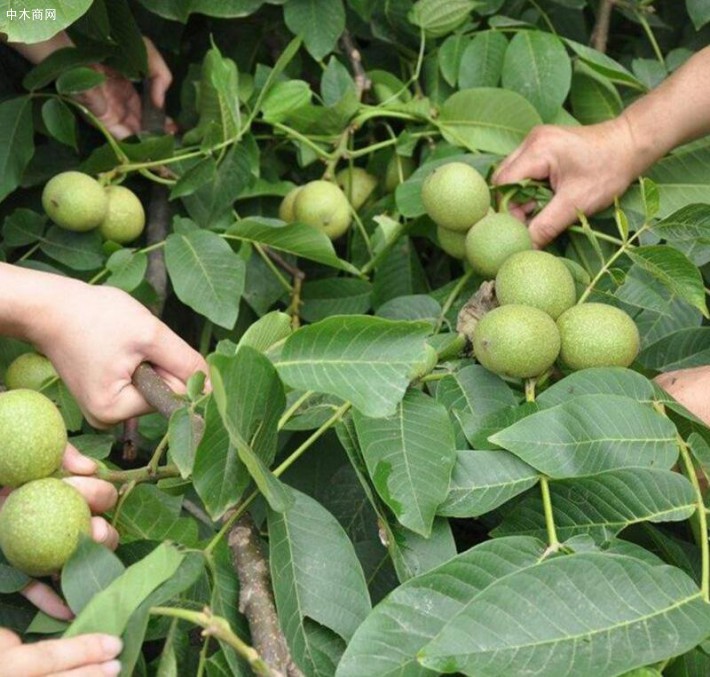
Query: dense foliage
(416, 522)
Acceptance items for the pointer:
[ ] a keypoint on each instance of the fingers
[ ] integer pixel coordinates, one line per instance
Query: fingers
(103, 533)
(552, 220)
(76, 463)
(8, 639)
(99, 494)
(45, 599)
(57, 656)
(159, 74)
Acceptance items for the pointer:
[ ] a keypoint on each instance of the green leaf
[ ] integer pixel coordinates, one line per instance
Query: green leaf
(78, 80)
(16, 140)
(56, 15)
(599, 381)
(110, 610)
(127, 268)
(682, 178)
(180, 11)
(476, 392)
(450, 55)
(195, 177)
(603, 505)
(604, 65)
(389, 640)
(482, 61)
(206, 274)
(315, 574)
(218, 100)
(411, 307)
(294, 238)
(151, 514)
(90, 569)
(336, 83)
(536, 66)
(78, 251)
(688, 230)
(682, 349)
(440, 17)
(335, 296)
(184, 435)
(60, 122)
(699, 12)
(675, 271)
(266, 331)
(484, 480)
(219, 476)
(590, 434)
(214, 200)
(410, 457)
(319, 22)
(285, 97)
(487, 119)
(23, 227)
(583, 614)
(250, 399)
(593, 98)
(364, 360)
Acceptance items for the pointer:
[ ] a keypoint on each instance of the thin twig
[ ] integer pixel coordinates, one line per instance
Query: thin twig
(362, 82)
(298, 279)
(130, 439)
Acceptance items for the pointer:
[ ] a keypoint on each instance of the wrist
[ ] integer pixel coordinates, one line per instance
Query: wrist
(28, 302)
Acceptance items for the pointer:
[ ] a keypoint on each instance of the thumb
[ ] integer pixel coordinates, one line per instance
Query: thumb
(552, 220)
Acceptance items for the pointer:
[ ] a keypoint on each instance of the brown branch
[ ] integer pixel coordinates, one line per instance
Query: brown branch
(256, 599)
(130, 439)
(600, 33)
(362, 82)
(159, 396)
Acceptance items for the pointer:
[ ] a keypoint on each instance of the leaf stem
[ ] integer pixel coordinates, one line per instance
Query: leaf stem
(155, 459)
(288, 414)
(554, 542)
(607, 265)
(451, 298)
(218, 627)
(272, 266)
(702, 517)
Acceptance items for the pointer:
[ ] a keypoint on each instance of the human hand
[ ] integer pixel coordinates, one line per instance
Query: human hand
(691, 387)
(101, 496)
(587, 167)
(115, 102)
(82, 656)
(96, 337)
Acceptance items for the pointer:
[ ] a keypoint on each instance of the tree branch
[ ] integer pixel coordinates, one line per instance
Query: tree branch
(255, 597)
(600, 33)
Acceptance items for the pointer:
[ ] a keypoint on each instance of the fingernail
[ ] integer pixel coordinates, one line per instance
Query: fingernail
(112, 668)
(112, 646)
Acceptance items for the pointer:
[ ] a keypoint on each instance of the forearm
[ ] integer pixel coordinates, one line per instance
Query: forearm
(675, 112)
(39, 51)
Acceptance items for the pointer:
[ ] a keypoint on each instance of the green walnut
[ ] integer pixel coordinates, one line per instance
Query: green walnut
(493, 240)
(30, 370)
(125, 216)
(75, 201)
(357, 184)
(538, 279)
(597, 335)
(322, 205)
(516, 341)
(33, 436)
(41, 524)
(455, 196)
